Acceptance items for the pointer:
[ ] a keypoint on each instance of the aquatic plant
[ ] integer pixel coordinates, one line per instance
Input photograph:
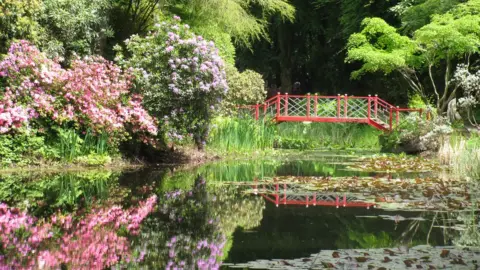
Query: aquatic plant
(395, 163)
(386, 192)
(92, 242)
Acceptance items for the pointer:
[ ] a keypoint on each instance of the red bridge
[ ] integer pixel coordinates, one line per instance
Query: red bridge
(334, 109)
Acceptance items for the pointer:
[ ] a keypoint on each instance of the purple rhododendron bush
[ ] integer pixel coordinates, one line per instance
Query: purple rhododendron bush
(38, 96)
(181, 76)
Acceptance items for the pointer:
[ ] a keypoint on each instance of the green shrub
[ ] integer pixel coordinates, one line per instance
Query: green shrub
(21, 149)
(245, 88)
(94, 160)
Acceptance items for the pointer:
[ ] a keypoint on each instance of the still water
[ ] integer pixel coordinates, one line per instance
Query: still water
(308, 211)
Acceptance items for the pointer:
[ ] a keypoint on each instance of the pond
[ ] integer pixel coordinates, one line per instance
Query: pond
(309, 210)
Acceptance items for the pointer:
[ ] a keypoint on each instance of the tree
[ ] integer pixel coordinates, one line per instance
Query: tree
(416, 13)
(438, 45)
(245, 21)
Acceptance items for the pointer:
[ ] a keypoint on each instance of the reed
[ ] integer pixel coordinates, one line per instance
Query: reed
(241, 134)
(462, 155)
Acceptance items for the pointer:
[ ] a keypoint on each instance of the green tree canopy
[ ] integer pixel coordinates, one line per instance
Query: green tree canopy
(447, 39)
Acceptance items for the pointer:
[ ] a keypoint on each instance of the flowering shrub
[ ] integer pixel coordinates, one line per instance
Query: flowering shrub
(92, 95)
(417, 134)
(181, 76)
(91, 243)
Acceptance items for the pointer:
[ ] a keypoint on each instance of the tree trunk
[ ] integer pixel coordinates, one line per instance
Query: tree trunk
(285, 35)
(286, 80)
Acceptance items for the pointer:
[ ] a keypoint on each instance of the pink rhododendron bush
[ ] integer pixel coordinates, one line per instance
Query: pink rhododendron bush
(181, 76)
(92, 95)
(96, 241)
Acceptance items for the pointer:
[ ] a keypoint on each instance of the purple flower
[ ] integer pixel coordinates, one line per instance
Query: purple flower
(169, 49)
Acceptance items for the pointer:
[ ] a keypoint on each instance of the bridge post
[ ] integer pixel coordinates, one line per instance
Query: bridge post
(338, 106)
(391, 117)
(286, 104)
(315, 104)
(278, 105)
(257, 111)
(369, 105)
(376, 106)
(345, 107)
(397, 116)
(308, 105)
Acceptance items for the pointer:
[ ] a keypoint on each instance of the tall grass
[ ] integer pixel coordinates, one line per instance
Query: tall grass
(331, 135)
(71, 145)
(247, 134)
(463, 155)
(241, 134)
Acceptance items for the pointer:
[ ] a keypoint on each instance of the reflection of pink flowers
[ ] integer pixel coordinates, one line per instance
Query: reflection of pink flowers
(93, 93)
(91, 243)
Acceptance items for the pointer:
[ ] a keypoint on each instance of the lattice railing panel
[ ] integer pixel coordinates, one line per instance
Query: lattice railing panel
(296, 106)
(326, 107)
(357, 107)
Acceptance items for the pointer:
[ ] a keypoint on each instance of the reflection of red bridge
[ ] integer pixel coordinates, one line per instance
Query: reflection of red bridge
(332, 109)
(290, 194)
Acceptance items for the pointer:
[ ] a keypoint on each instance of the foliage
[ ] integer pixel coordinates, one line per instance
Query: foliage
(327, 135)
(414, 14)
(446, 38)
(181, 76)
(380, 47)
(74, 27)
(18, 20)
(233, 17)
(94, 160)
(44, 194)
(416, 134)
(240, 134)
(21, 149)
(92, 95)
(245, 88)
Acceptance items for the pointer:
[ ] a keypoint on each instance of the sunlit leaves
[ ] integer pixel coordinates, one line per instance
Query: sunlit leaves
(448, 37)
(379, 47)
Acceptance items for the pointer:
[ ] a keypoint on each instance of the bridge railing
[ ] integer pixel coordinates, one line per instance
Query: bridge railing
(340, 108)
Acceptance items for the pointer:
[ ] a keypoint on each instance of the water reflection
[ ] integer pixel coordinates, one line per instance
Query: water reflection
(293, 194)
(224, 213)
(95, 240)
